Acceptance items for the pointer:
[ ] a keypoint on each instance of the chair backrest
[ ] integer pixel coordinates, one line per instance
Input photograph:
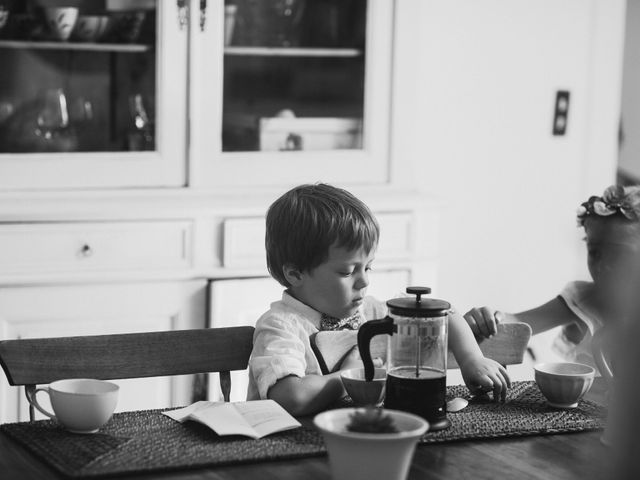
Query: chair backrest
(35, 361)
(507, 347)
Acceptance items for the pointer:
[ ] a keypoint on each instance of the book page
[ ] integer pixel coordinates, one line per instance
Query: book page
(254, 419)
(224, 419)
(266, 417)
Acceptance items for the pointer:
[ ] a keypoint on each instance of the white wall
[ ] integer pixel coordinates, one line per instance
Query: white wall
(630, 151)
(476, 83)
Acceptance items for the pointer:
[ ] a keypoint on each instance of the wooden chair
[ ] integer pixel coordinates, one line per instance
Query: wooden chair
(507, 347)
(30, 362)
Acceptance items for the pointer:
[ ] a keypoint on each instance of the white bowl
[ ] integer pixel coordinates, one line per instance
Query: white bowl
(362, 392)
(563, 383)
(367, 456)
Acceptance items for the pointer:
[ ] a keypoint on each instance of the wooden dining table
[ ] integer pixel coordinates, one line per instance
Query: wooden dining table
(571, 456)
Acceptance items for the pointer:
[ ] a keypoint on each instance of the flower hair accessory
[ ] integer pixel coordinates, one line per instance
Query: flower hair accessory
(616, 200)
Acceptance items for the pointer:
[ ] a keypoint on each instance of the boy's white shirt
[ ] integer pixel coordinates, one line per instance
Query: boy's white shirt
(574, 295)
(281, 345)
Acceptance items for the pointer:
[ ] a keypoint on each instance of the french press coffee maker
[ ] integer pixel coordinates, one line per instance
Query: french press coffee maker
(416, 355)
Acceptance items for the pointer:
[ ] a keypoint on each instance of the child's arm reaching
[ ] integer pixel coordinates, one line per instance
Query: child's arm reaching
(479, 373)
(554, 313)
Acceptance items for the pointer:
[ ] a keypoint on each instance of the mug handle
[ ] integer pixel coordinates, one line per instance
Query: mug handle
(597, 347)
(34, 401)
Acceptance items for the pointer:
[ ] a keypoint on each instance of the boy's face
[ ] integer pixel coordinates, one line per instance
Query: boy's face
(337, 286)
(613, 246)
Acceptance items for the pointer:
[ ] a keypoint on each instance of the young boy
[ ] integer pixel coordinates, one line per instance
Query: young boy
(320, 244)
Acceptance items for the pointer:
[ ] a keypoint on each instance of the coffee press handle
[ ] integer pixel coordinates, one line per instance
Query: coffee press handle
(366, 332)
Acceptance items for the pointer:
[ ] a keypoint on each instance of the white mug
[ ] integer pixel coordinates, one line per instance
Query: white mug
(81, 405)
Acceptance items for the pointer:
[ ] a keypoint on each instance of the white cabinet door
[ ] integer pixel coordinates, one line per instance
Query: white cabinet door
(242, 302)
(52, 311)
(281, 104)
(97, 112)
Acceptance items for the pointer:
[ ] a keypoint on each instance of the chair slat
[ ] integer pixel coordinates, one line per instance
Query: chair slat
(134, 355)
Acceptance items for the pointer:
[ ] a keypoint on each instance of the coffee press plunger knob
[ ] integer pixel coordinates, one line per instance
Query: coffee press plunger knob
(418, 291)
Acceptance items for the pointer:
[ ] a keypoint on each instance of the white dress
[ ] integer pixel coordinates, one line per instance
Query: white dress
(574, 341)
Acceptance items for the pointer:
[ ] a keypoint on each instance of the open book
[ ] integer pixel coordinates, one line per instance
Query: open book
(255, 419)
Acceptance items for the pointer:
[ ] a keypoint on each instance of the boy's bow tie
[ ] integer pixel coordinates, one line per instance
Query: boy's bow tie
(327, 322)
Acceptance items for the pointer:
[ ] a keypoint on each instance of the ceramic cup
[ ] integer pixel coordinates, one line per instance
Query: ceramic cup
(61, 21)
(365, 456)
(81, 405)
(4, 16)
(362, 392)
(564, 383)
(90, 28)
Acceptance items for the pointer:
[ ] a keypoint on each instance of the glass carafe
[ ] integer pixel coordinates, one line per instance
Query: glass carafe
(416, 355)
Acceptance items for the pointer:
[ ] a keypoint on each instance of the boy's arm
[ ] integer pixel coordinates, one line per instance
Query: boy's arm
(307, 395)
(479, 373)
(313, 393)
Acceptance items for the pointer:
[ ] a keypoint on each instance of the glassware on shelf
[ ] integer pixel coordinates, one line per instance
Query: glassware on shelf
(230, 12)
(41, 125)
(274, 23)
(288, 14)
(295, 55)
(141, 135)
(4, 16)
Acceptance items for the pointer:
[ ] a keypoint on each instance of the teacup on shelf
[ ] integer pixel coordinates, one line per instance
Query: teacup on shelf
(126, 27)
(90, 28)
(4, 16)
(61, 21)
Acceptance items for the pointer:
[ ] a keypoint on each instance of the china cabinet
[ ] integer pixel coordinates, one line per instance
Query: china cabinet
(307, 95)
(141, 147)
(103, 108)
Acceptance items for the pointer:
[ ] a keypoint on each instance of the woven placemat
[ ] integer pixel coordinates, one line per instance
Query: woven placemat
(147, 441)
(524, 413)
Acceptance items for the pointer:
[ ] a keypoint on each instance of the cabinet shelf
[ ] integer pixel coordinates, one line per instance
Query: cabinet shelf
(293, 52)
(92, 47)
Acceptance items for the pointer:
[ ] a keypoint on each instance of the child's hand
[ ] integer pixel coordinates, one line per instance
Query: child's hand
(483, 321)
(483, 375)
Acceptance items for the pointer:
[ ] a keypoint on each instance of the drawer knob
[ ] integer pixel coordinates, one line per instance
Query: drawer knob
(86, 251)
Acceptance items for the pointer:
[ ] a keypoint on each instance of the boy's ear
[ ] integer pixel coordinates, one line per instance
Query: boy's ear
(292, 274)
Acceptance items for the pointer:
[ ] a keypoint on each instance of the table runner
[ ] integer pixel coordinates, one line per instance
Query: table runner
(148, 441)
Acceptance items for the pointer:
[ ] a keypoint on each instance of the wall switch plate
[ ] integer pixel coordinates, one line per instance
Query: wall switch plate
(561, 113)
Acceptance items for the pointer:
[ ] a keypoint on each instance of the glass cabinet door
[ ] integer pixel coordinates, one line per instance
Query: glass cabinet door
(288, 91)
(82, 93)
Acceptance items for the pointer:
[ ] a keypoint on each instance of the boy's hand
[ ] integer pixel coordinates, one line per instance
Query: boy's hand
(483, 375)
(483, 321)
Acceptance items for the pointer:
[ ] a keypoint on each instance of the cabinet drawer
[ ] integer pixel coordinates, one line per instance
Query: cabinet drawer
(88, 247)
(244, 239)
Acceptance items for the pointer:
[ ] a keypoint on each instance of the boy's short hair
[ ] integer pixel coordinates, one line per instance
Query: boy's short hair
(307, 220)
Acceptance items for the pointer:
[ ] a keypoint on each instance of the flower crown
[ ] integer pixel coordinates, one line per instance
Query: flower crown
(614, 201)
